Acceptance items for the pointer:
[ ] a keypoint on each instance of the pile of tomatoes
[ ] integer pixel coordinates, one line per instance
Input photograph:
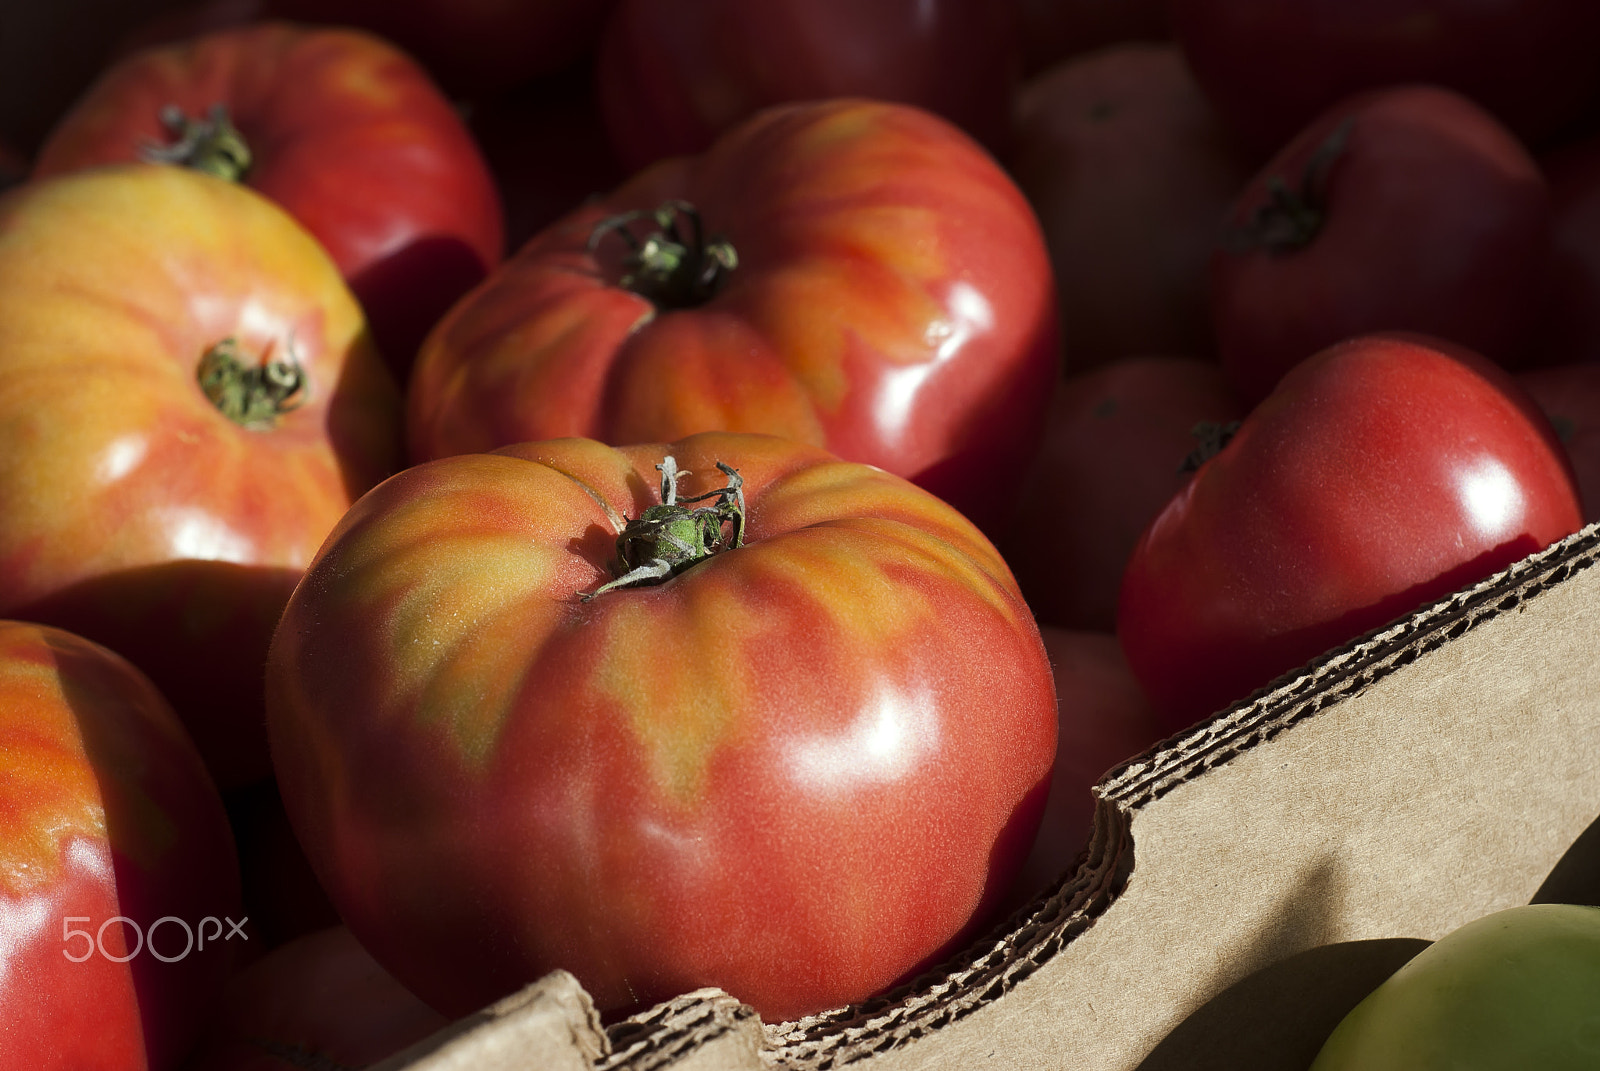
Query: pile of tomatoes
(862, 447)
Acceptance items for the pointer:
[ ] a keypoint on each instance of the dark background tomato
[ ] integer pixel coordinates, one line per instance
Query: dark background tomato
(1114, 442)
(1131, 175)
(1383, 473)
(1272, 67)
(676, 73)
(1401, 209)
(1570, 397)
(1054, 30)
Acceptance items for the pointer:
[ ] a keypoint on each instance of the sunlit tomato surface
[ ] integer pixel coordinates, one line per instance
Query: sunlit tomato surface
(1383, 473)
(799, 770)
(105, 811)
(674, 74)
(320, 1001)
(1271, 67)
(891, 302)
(134, 508)
(1519, 988)
(342, 129)
(1408, 209)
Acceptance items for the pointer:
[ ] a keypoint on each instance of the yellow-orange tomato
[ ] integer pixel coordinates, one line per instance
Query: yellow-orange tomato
(106, 813)
(800, 769)
(133, 510)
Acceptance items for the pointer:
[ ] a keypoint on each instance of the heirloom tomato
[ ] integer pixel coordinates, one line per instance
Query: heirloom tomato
(1517, 989)
(852, 274)
(188, 402)
(1383, 473)
(1271, 67)
(118, 884)
(1403, 209)
(338, 127)
(674, 74)
(803, 767)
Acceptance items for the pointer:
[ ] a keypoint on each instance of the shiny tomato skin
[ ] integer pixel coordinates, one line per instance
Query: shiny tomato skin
(675, 74)
(132, 510)
(892, 303)
(1435, 219)
(347, 133)
(1271, 68)
(1383, 473)
(800, 770)
(105, 810)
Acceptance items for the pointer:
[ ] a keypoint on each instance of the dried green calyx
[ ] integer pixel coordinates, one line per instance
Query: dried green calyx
(666, 539)
(210, 143)
(673, 269)
(251, 395)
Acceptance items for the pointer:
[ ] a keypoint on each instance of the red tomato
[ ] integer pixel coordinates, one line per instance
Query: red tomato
(106, 813)
(1570, 397)
(1383, 473)
(343, 130)
(1571, 326)
(1131, 175)
(134, 508)
(1102, 719)
(675, 74)
(479, 47)
(1114, 448)
(1054, 30)
(1271, 67)
(320, 1001)
(891, 303)
(800, 770)
(1403, 209)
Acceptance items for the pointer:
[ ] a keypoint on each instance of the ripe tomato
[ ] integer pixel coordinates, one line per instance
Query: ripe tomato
(320, 1001)
(342, 129)
(1131, 175)
(1272, 67)
(800, 770)
(1383, 473)
(479, 48)
(674, 74)
(1519, 988)
(1102, 719)
(1570, 396)
(1571, 322)
(134, 508)
(1114, 454)
(1403, 209)
(107, 814)
(891, 302)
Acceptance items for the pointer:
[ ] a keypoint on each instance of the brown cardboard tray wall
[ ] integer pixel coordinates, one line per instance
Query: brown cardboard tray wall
(1246, 884)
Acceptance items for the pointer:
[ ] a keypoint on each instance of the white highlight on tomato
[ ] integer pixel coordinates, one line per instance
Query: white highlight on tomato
(887, 740)
(1492, 498)
(199, 536)
(121, 458)
(971, 315)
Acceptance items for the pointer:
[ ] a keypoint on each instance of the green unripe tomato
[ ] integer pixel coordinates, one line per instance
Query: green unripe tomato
(1514, 990)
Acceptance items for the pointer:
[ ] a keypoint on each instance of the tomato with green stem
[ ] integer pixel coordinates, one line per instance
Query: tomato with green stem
(853, 274)
(789, 734)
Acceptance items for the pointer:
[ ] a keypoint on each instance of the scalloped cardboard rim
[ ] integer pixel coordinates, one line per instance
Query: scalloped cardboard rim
(1246, 883)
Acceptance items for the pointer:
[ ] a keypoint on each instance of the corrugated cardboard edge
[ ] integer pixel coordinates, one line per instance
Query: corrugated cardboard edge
(710, 1030)
(1038, 933)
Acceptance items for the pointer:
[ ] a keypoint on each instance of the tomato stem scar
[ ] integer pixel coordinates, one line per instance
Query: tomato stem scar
(252, 396)
(211, 144)
(673, 270)
(1291, 218)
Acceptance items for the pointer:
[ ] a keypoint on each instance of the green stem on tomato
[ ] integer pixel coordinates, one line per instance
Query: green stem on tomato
(672, 269)
(251, 395)
(1292, 217)
(211, 144)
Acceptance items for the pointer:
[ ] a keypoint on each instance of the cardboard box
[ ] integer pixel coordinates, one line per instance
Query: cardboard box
(1247, 883)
